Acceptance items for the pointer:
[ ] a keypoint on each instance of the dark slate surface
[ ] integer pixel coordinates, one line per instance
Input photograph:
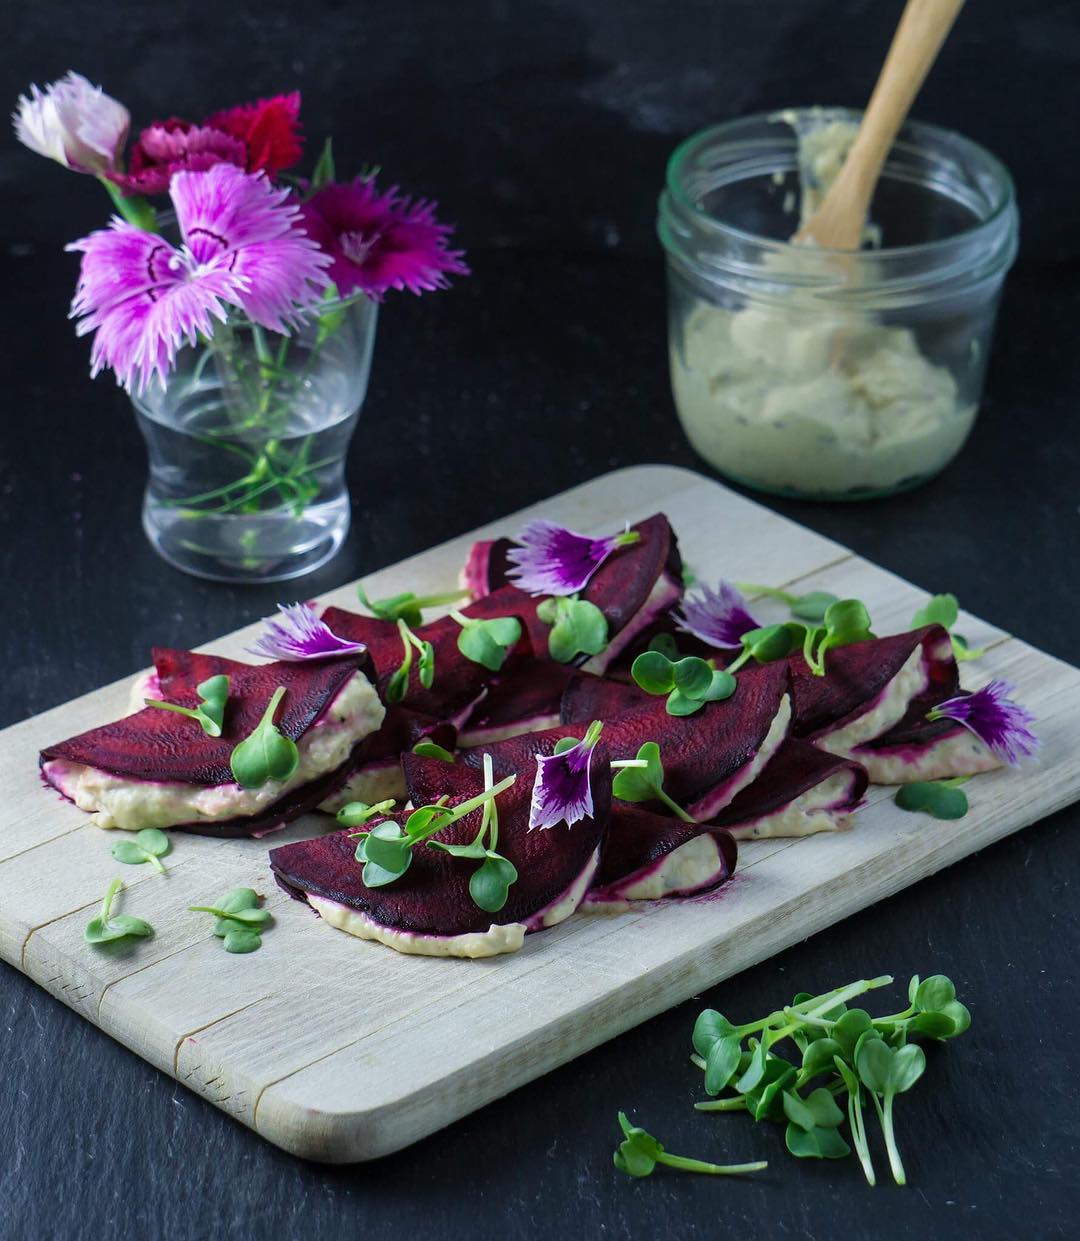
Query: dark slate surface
(543, 129)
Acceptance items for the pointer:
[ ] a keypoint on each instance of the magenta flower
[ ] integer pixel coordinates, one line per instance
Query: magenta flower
(551, 560)
(298, 634)
(719, 617)
(173, 146)
(241, 247)
(562, 791)
(380, 241)
(73, 122)
(1001, 724)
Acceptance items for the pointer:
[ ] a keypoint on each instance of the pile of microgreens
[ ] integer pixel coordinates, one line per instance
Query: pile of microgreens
(386, 850)
(843, 1053)
(239, 919)
(484, 642)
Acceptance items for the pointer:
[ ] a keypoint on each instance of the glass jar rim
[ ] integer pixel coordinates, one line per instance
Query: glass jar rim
(674, 186)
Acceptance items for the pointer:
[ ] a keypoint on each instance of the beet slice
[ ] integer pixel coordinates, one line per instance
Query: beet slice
(856, 675)
(160, 745)
(528, 699)
(707, 757)
(795, 769)
(459, 682)
(432, 897)
(632, 587)
(589, 697)
(638, 843)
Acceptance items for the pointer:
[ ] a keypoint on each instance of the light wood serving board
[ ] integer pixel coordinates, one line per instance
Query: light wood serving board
(310, 1041)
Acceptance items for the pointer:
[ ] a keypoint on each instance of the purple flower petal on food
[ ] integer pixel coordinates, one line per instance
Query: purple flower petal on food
(550, 560)
(299, 634)
(1000, 723)
(562, 791)
(719, 617)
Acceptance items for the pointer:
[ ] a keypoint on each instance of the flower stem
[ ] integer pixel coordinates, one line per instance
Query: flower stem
(135, 210)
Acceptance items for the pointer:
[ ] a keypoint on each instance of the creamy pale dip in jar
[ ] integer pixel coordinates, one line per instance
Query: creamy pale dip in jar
(823, 373)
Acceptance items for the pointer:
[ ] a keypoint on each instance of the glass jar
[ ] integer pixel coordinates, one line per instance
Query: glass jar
(820, 373)
(247, 441)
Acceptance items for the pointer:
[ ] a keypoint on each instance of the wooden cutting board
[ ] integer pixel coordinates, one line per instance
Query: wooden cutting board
(312, 1041)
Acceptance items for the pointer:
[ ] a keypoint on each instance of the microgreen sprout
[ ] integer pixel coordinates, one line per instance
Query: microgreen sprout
(210, 713)
(845, 621)
(487, 642)
(644, 781)
(432, 749)
(809, 607)
(398, 685)
(768, 644)
(639, 1153)
(841, 1052)
(266, 753)
(944, 610)
(408, 606)
(386, 850)
(489, 884)
(240, 920)
(357, 813)
(578, 627)
(940, 798)
(689, 683)
(107, 927)
(148, 846)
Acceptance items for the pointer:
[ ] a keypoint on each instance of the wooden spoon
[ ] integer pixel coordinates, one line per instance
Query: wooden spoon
(838, 222)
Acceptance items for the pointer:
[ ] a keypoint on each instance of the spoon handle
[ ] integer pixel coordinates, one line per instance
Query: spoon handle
(916, 43)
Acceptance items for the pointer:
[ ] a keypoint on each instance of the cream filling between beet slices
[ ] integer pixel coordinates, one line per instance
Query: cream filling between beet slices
(819, 809)
(379, 781)
(885, 709)
(958, 753)
(116, 801)
(495, 941)
(692, 866)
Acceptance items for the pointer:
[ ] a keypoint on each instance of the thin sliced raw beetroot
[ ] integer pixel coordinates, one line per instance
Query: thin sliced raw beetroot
(632, 587)
(526, 700)
(637, 844)
(458, 682)
(707, 757)
(432, 897)
(856, 675)
(795, 769)
(160, 745)
(589, 697)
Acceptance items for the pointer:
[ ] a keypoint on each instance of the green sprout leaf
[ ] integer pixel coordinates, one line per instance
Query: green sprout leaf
(239, 919)
(721, 1064)
(665, 644)
(638, 784)
(815, 1143)
(431, 749)
(266, 753)
(709, 1028)
(489, 884)
(239, 940)
(942, 610)
(578, 627)
(408, 606)
(108, 927)
(813, 605)
(210, 713)
(654, 672)
(357, 813)
(386, 853)
(148, 845)
(487, 642)
(933, 797)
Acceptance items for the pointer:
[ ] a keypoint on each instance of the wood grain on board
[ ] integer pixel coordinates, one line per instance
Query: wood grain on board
(312, 1041)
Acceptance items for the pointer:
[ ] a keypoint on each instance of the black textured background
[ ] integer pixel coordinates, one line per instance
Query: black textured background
(542, 128)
